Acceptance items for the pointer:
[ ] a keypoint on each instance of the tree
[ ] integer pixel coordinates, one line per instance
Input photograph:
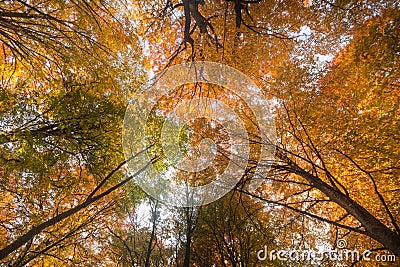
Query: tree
(330, 69)
(231, 231)
(60, 130)
(43, 29)
(350, 145)
(290, 73)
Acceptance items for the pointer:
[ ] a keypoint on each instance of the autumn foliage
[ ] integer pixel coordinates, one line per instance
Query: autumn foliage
(69, 70)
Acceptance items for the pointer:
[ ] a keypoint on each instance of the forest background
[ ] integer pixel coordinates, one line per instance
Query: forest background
(70, 68)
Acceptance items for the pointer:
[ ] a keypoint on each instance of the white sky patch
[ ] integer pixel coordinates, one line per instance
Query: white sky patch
(143, 212)
(324, 58)
(304, 34)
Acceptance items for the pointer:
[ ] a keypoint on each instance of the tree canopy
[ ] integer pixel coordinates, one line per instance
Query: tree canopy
(329, 71)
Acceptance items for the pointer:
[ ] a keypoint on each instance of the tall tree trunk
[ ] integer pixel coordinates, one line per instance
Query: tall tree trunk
(374, 228)
(19, 242)
(153, 233)
(189, 229)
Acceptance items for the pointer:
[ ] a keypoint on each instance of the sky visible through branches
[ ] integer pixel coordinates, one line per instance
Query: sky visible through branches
(197, 133)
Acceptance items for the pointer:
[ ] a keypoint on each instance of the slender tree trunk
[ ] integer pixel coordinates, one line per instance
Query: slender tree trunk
(153, 233)
(186, 262)
(19, 242)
